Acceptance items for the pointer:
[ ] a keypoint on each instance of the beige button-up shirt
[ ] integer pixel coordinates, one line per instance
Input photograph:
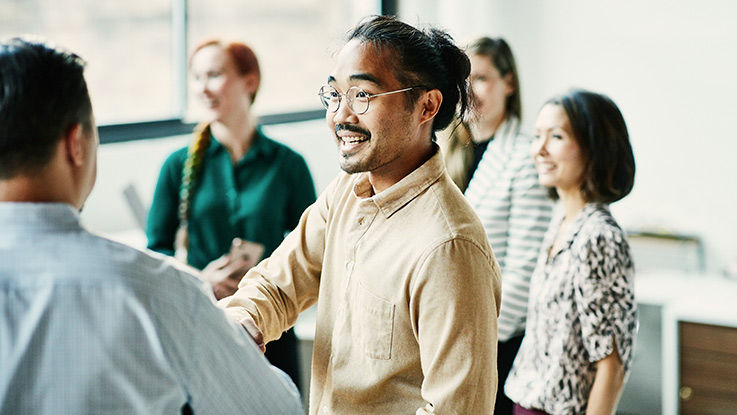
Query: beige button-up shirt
(408, 295)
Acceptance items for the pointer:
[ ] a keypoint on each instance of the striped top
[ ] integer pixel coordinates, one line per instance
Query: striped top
(515, 211)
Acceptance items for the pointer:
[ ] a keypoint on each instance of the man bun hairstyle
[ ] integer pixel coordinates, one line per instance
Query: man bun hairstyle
(425, 58)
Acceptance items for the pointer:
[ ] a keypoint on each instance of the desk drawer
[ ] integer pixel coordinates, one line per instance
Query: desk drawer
(708, 368)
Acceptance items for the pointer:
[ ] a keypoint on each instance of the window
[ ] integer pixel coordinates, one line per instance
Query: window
(137, 49)
(293, 39)
(127, 46)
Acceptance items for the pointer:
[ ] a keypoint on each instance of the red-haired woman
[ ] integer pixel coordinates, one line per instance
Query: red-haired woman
(232, 187)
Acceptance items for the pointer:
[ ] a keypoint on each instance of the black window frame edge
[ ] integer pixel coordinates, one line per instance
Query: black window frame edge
(389, 7)
(118, 133)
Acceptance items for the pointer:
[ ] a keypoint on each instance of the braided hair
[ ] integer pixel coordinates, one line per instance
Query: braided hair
(245, 62)
(191, 173)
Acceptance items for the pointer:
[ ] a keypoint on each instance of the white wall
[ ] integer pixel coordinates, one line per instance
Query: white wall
(671, 66)
(139, 162)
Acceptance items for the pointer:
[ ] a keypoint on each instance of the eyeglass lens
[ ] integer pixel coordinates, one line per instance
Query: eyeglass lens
(358, 99)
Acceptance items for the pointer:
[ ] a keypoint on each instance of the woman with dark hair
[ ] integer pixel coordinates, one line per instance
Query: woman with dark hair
(582, 317)
(230, 196)
(491, 153)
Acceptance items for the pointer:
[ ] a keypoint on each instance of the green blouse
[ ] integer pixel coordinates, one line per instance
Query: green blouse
(259, 199)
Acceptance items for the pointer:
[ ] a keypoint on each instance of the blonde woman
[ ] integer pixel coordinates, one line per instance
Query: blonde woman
(490, 152)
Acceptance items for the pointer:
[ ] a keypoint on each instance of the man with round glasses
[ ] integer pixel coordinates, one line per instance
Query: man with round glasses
(406, 284)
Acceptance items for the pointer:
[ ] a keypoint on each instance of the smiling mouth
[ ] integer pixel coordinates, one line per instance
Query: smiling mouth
(353, 139)
(350, 145)
(544, 167)
(209, 103)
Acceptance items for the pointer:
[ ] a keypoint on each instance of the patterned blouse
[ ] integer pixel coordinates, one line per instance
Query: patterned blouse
(581, 302)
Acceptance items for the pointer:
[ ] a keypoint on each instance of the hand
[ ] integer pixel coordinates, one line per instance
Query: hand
(248, 250)
(225, 273)
(251, 328)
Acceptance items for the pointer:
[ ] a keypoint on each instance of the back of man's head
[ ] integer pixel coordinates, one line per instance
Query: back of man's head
(426, 58)
(42, 95)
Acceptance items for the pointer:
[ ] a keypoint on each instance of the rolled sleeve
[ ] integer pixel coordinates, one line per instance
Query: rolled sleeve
(604, 297)
(454, 306)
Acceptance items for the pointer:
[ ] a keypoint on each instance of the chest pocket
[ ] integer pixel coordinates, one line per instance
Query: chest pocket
(375, 324)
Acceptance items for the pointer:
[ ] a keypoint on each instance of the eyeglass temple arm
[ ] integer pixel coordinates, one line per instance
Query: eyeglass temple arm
(392, 92)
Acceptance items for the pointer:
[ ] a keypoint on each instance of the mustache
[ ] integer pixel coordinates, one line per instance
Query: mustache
(353, 128)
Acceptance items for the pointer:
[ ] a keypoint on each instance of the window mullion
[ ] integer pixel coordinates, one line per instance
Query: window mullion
(179, 56)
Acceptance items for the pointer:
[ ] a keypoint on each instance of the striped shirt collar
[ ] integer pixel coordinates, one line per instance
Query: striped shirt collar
(589, 209)
(506, 134)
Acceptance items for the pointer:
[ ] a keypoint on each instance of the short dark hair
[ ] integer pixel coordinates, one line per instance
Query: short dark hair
(427, 58)
(600, 131)
(42, 95)
(500, 54)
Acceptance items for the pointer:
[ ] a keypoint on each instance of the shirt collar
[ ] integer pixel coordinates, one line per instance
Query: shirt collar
(585, 213)
(260, 147)
(50, 216)
(399, 194)
(506, 134)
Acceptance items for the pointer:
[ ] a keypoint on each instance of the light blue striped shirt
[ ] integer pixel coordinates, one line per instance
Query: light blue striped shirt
(515, 210)
(91, 326)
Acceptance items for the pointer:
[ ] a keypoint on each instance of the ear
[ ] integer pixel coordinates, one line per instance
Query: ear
(431, 102)
(509, 84)
(251, 82)
(75, 145)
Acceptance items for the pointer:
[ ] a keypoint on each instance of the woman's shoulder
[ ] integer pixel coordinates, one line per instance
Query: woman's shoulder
(282, 150)
(173, 164)
(177, 157)
(600, 230)
(599, 217)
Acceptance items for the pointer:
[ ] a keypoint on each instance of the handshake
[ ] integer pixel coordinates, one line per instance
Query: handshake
(226, 272)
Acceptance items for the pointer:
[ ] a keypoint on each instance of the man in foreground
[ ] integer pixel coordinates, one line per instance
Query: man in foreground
(89, 325)
(406, 283)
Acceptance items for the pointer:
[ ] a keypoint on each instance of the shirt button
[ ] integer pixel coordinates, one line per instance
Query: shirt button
(325, 409)
(231, 194)
(360, 221)
(349, 265)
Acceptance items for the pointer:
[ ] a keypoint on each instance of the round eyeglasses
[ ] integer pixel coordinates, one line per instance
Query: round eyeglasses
(357, 99)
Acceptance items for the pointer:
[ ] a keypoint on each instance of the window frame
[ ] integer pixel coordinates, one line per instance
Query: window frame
(160, 128)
